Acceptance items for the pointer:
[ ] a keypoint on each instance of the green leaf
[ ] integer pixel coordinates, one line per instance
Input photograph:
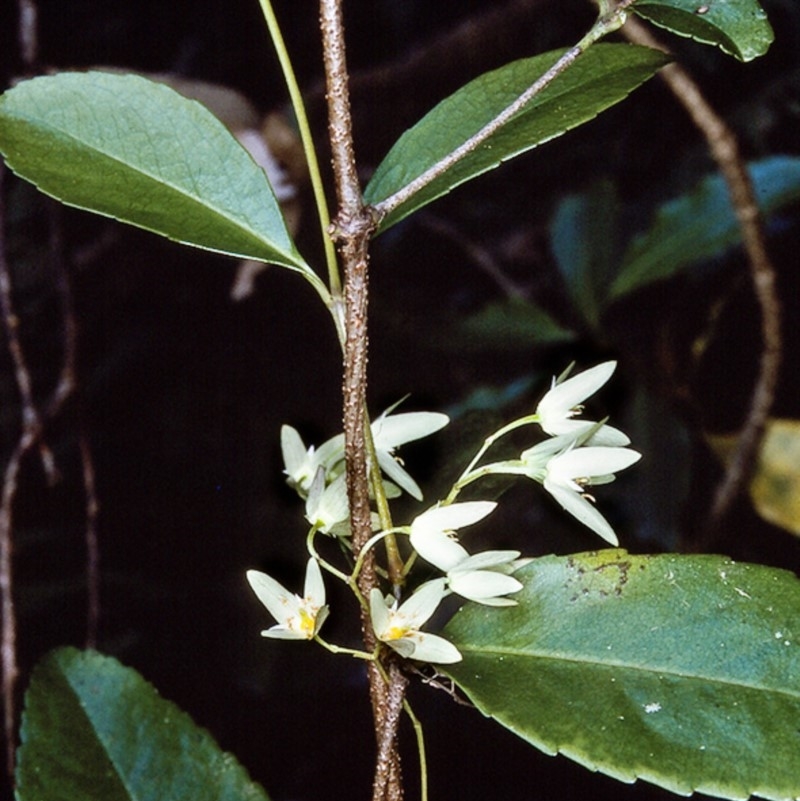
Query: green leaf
(136, 150)
(584, 241)
(680, 670)
(739, 27)
(701, 224)
(601, 77)
(510, 325)
(94, 730)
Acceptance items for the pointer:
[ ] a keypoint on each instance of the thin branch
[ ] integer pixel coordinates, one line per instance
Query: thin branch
(67, 386)
(307, 139)
(724, 149)
(92, 542)
(28, 34)
(9, 620)
(30, 421)
(385, 764)
(481, 256)
(340, 126)
(605, 24)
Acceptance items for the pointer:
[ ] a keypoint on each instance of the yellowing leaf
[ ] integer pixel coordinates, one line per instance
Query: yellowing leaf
(775, 486)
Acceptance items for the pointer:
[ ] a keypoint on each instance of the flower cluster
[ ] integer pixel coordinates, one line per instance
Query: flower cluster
(483, 577)
(581, 453)
(578, 454)
(317, 474)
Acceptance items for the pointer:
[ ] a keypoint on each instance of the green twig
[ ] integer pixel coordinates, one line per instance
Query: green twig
(298, 105)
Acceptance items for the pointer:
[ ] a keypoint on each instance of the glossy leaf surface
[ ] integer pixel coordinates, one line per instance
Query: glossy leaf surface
(137, 151)
(601, 77)
(739, 27)
(680, 670)
(94, 730)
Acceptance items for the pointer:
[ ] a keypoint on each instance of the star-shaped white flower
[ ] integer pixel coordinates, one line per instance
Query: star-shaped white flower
(564, 400)
(399, 627)
(483, 577)
(433, 532)
(569, 473)
(298, 618)
(389, 432)
(301, 464)
(326, 507)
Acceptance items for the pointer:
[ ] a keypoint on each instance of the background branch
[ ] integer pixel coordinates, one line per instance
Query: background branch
(724, 149)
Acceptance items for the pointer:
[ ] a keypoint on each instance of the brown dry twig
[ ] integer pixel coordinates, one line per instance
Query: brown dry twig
(34, 423)
(724, 149)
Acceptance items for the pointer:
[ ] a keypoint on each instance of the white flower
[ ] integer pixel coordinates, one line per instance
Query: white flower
(486, 577)
(326, 507)
(391, 431)
(432, 532)
(300, 463)
(568, 474)
(483, 577)
(400, 627)
(298, 618)
(564, 400)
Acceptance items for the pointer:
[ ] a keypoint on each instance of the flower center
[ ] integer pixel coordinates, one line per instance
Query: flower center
(308, 622)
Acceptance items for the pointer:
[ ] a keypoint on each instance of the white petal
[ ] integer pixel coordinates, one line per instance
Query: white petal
(437, 548)
(283, 633)
(314, 590)
(315, 493)
(454, 516)
(588, 462)
(606, 436)
(327, 507)
(500, 600)
(331, 452)
(281, 603)
(396, 473)
(575, 390)
(487, 559)
(390, 431)
(519, 563)
(422, 604)
(379, 613)
(478, 585)
(295, 455)
(583, 510)
(431, 648)
(321, 617)
(559, 402)
(405, 646)
(609, 437)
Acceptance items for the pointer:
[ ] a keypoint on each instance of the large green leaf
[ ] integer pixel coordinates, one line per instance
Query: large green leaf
(702, 224)
(94, 730)
(739, 27)
(136, 150)
(601, 77)
(680, 670)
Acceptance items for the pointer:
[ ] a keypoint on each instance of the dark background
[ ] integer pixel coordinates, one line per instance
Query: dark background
(182, 391)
